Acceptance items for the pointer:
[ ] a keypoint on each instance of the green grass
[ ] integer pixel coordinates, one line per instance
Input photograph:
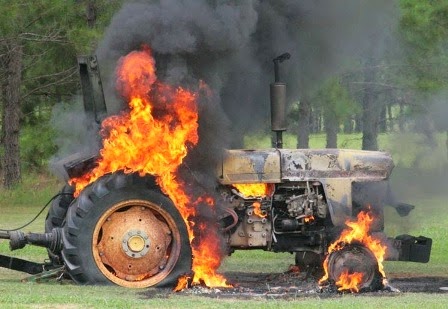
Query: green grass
(427, 189)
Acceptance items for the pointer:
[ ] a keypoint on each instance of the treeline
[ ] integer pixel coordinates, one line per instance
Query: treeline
(401, 90)
(39, 43)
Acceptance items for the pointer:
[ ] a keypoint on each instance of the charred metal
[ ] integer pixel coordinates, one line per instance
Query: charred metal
(313, 192)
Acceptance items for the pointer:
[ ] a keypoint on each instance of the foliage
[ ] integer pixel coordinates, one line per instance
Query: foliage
(51, 34)
(37, 146)
(335, 100)
(424, 29)
(424, 23)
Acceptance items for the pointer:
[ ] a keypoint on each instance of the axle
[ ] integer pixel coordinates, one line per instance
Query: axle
(18, 239)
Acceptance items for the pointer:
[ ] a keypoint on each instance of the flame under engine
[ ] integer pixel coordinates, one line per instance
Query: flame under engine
(290, 219)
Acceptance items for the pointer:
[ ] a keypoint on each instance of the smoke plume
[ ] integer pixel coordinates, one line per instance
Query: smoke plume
(230, 45)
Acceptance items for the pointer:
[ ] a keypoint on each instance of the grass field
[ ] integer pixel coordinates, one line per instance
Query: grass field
(425, 188)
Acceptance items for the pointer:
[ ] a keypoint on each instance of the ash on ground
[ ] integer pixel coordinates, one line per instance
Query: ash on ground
(294, 284)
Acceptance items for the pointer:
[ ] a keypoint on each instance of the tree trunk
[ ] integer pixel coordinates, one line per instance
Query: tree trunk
(358, 123)
(446, 142)
(315, 121)
(348, 125)
(91, 13)
(303, 135)
(383, 120)
(11, 124)
(2, 115)
(390, 119)
(401, 116)
(331, 129)
(370, 111)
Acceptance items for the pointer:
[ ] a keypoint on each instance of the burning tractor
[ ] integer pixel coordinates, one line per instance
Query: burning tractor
(128, 218)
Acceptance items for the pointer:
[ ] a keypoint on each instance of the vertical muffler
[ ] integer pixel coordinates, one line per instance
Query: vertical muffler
(278, 102)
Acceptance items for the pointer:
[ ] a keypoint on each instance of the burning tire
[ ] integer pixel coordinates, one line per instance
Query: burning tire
(354, 268)
(120, 231)
(56, 217)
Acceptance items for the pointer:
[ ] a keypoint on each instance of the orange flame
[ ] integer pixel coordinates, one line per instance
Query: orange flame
(137, 141)
(257, 210)
(349, 281)
(153, 138)
(206, 249)
(182, 283)
(309, 219)
(357, 232)
(254, 189)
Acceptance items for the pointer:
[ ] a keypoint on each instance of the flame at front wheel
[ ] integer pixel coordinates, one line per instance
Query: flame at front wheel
(354, 268)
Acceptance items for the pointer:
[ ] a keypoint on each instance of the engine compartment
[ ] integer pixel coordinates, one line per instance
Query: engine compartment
(291, 217)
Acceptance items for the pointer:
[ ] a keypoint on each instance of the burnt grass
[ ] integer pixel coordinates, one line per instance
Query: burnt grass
(293, 285)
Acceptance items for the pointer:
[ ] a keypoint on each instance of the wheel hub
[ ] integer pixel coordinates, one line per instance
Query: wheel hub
(136, 243)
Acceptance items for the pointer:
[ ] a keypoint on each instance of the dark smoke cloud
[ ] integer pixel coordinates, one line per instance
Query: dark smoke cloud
(231, 44)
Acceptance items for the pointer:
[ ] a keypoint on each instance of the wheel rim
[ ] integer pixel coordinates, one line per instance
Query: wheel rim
(355, 259)
(136, 243)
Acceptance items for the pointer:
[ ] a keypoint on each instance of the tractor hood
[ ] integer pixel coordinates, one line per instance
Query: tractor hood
(280, 165)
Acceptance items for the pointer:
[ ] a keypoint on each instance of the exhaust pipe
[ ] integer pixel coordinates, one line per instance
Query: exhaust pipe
(278, 102)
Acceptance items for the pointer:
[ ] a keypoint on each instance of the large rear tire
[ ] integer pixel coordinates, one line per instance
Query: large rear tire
(120, 231)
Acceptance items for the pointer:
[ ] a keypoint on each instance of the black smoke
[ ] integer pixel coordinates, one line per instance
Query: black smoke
(230, 45)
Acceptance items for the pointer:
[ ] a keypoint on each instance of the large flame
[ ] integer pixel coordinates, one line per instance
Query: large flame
(153, 138)
(349, 282)
(358, 232)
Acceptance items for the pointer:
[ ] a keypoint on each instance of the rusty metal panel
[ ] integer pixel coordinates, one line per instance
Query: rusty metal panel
(314, 164)
(338, 192)
(250, 166)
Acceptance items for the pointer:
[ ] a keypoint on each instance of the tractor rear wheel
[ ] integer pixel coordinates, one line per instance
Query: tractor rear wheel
(120, 231)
